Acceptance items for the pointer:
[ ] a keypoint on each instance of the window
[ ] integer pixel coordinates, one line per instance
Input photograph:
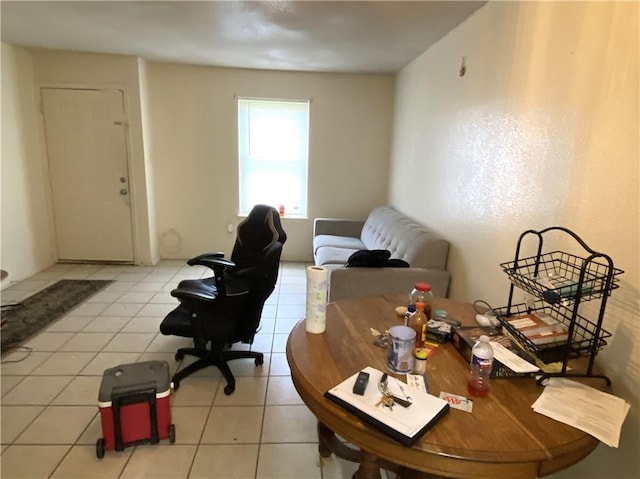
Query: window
(273, 150)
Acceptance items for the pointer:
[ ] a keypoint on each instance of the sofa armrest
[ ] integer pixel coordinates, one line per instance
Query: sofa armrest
(337, 227)
(355, 282)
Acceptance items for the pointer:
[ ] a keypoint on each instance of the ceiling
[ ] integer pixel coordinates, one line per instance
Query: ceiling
(327, 36)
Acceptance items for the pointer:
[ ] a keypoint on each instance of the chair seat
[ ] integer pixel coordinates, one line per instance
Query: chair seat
(178, 323)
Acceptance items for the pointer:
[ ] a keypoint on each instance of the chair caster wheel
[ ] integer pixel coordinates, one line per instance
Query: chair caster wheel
(259, 361)
(100, 448)
(228, 389)
(179, 356)
(176, 385)
(172, 433)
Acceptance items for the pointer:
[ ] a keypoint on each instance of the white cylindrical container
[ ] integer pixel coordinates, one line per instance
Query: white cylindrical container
(317, 290)
(400, 351)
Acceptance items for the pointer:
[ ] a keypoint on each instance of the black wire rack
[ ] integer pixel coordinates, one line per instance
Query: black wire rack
(560, 282)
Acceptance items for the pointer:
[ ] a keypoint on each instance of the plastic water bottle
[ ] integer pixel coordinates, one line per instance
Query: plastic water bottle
(480, 367)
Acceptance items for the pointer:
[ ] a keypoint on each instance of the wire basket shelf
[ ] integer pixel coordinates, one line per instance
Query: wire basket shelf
(555, 277)
(584, 338)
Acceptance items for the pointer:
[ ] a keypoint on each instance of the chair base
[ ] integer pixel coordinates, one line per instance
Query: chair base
(219, 360)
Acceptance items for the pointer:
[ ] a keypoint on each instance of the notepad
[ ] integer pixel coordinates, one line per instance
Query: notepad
(404, 424)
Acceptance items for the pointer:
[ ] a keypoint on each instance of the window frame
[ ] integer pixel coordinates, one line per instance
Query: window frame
(249, 167)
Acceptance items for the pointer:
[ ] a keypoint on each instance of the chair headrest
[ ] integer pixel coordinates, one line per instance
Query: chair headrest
(260, 229)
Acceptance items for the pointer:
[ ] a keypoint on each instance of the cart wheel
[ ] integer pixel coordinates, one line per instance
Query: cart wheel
(172, 433)
(100, 448)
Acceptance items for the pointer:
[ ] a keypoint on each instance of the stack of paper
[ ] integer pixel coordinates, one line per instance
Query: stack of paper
(539, 328)
(583, 407)
(405, 424)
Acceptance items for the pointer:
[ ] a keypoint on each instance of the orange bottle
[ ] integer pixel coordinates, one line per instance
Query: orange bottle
(418, 322)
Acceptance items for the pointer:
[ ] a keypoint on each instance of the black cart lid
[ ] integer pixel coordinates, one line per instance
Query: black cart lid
(135, 377)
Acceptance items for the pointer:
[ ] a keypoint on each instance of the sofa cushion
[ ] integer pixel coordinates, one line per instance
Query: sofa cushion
(334, 241)
(328, 255)
(406, 239)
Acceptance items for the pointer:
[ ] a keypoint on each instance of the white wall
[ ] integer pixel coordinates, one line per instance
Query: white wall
(183, 147)
(27, 229)
(147, 141)
(542, 130)
(85, 70)
(193, 120)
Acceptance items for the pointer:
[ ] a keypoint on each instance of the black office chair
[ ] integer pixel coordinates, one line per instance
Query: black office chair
(226, 308)
(238, 255)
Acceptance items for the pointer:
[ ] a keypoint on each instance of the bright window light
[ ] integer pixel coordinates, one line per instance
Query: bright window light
(273, 152)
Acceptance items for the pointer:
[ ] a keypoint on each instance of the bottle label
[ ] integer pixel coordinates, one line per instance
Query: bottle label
(481, 363)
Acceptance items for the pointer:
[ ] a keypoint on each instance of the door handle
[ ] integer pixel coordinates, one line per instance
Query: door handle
(124, 192)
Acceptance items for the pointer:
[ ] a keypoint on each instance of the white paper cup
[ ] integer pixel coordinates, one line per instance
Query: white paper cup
(400, 352)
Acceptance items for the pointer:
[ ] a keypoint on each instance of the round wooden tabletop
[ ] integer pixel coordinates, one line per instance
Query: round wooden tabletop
(502, 437)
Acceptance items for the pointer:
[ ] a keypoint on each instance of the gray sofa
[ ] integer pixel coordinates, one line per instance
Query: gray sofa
(334, 240)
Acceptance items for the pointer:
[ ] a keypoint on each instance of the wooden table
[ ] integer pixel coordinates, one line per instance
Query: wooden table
(502, 438)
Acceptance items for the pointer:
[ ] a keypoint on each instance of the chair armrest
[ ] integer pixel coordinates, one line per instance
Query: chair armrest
(338, 227)
(196, 260)
(193, 293)
(219, 266)
(217, 263)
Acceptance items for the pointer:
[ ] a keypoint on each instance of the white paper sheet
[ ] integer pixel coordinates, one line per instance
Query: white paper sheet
(583, 407)
(512, 360)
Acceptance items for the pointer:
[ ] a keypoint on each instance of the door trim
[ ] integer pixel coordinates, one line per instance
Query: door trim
(127, 145)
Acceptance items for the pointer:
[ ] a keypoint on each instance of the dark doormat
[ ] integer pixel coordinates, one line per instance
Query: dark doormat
(21, 321)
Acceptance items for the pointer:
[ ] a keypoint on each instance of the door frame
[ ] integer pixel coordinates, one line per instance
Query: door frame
(130, 170)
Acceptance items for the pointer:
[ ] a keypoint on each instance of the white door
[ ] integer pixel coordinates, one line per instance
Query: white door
(86, 146)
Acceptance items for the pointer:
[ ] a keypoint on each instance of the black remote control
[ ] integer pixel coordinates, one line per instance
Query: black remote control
(361, 383)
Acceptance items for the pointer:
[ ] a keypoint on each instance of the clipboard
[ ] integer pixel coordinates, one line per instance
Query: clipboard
(404, 424)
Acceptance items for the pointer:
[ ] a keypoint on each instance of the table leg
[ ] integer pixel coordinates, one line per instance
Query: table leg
(369, 468)
(328, 443)
(404, 473)
(370, 464)
(325, 437)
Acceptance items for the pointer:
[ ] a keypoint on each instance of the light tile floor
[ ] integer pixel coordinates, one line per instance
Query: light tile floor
(49, 413)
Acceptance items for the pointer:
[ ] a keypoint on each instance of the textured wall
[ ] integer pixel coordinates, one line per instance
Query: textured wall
(192, 116)
(66, 69)
(541, 130)
(27, 226)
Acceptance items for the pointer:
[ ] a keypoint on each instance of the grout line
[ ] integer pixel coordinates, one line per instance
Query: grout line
(125, 282)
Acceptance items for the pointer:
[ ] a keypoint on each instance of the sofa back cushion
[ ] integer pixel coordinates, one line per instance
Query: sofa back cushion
(406, 239)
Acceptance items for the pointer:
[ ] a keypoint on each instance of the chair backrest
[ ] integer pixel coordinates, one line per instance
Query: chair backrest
(257, 250)
(255, 234)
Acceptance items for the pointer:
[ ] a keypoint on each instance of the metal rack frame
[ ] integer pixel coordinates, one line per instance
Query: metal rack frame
(561, 281)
